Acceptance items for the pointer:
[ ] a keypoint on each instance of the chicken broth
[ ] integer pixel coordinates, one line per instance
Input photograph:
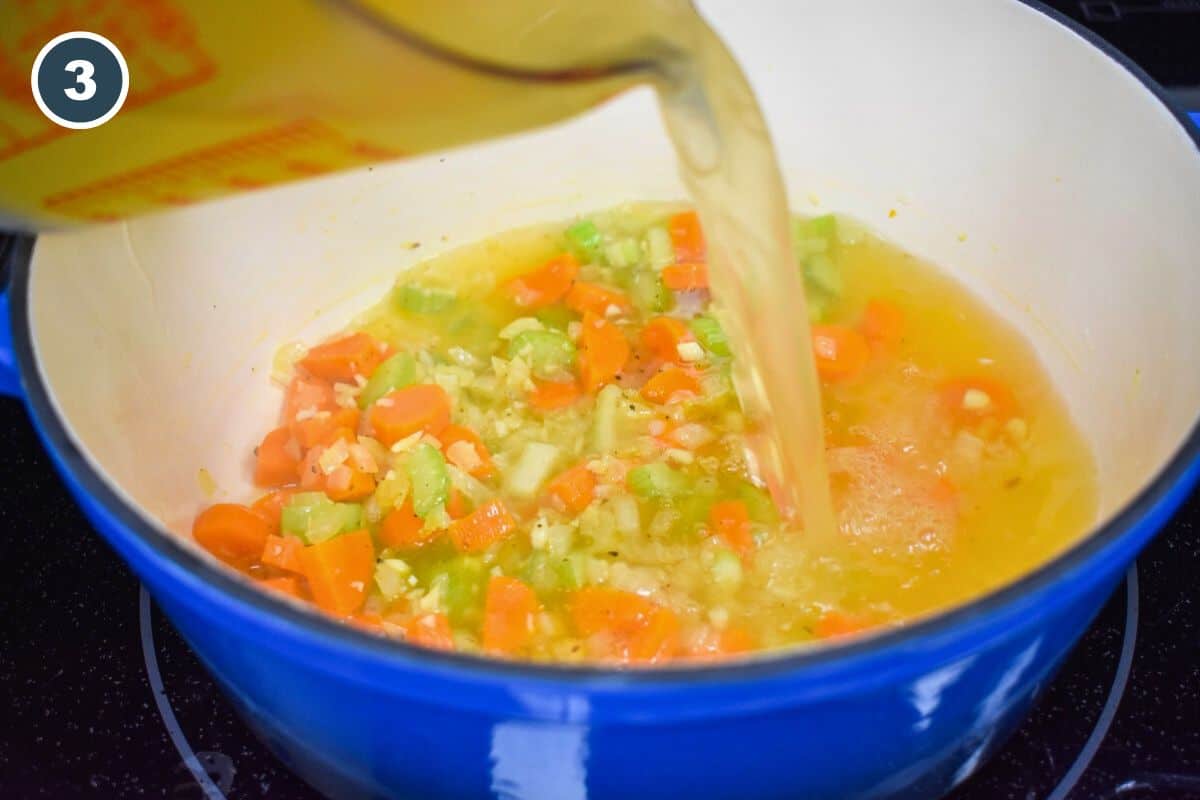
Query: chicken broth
(533, 448)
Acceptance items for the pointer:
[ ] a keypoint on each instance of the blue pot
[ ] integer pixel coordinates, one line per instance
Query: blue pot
(908, 713)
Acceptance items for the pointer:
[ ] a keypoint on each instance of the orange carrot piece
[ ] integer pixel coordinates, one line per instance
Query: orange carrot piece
(509, 610)
(326, 427)
(837, 624)
(367, 621)
(663, 335)
(454, 434)
(283, 552)
(671, 385)
(403, 529)
(270, 506)
(730, 521)
(882, 324)
(305, 393)
(552, 395)
(715, 645)
(973, 399)
(489, 523)
(456, 505)
(547, 284)
(603, 352)
(339, 570)
(349, 484)
(312, 477)
(425, 407)
(687, 236)
(430, 630)
(276, 460)
(584, 297)
(287, 585)
(573, 491)
(841, 352)
(630, 628)
(235, 534)
(685, 277)
(343, 358)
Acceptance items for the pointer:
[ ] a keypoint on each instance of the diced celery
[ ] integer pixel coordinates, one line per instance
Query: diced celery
(429, 478)
(711, 335)
(604, 419)
(556, 316)
(623, 253)
(549, 354)
(726, 569)
(659, 247)
(585, 239)
(657, 481)
(571, 571)
(314, 517)
(533, 467)
(391, 576)
(818, 306)
(396, 372)
(648, 293)
(464, 582)
(423, 299)
(693, 511)
(759, 504)
(540, 572)
(823, 228)
(308, 499)
(822, 273)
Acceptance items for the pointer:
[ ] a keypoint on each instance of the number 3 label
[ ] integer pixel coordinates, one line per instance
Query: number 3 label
(79, 80)
(84, 70)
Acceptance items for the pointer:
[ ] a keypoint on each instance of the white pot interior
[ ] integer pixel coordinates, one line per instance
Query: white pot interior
(1077, 193)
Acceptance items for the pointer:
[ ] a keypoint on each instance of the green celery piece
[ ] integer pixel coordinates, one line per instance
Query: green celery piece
(429, 478)
(726, 569)
(293, 518)
(820, 271)
(317, 521)
(657, 481)
(570, 572)
(548, 353)
(818, 305)
(417, 299)
(623, 253)
(465, 579)
(659, 247)
(711, 335)
(649, 294)
(396, 372)
(556, 316)
(586, 240)
(759, 504)
(822, 227)
(539, 571)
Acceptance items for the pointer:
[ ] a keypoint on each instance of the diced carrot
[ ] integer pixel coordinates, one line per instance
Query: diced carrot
(547, 284)
(663, 335)
(882, 324)
(339, 570)
(287, 585)
(973, 399)
(326, 427)
(283, 552)
(553, 395)
(671, 385)
(715, 645)
(403, 529)
(730, 521)
(584, 297)
(312, 477)
(348, 484)
(489, 523)
(367, 621)
(573, 491)
(480, 465)
(276, 459)
(603, 352)
(685, 277)
(306, 394)
(235, 534)
(509, 609)
(836, 624)
(627, 626)
(270, 506)
(343, 358)
(841, 352)
(430, 630)
(456, 505)
(687, 236)
(425, 407)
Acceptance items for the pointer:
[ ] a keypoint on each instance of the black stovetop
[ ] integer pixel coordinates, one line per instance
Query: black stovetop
(100, 696)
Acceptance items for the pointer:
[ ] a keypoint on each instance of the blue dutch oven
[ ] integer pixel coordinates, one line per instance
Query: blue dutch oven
(1080, 190)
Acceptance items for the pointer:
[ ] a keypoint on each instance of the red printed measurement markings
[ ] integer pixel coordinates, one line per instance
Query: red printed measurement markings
(158, 40)
(299, 149)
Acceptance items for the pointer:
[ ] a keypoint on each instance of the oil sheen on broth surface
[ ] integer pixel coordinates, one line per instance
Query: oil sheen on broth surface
(532, 448)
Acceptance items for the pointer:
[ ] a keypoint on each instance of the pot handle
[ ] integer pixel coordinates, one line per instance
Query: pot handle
(10, 382)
